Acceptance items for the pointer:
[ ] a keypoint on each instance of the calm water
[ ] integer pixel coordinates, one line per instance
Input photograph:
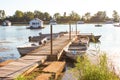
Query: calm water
(13, 36)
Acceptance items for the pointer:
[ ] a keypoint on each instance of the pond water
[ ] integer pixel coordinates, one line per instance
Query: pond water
(13, 36)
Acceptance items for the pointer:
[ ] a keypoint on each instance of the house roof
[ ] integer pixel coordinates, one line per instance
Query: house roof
(37, 19)
(7, 21)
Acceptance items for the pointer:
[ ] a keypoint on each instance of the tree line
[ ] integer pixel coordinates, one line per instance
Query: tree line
(25, 17)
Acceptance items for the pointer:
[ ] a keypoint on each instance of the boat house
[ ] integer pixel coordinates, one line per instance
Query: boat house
(36, 23)
(6, 23)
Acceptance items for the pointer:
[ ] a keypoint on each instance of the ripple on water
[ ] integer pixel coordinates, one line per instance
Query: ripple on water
(4, 49)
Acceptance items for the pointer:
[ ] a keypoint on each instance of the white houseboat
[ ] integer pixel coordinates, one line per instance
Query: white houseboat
(6, 23)
(36, 24)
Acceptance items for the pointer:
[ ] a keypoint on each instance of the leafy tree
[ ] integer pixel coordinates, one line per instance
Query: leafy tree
(87, 16)
(100, 16)
(57, 16)
(46, 16)
(74, 16)
(39, 14)
(18, 14)
(2, 14)
(28, 16)
(115, 16)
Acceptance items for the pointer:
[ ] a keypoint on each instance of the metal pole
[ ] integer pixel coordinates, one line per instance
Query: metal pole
(76, 28)
(51, 46)
(69, 31)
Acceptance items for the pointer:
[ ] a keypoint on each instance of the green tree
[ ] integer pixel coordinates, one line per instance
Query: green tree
(57, 16)
(100, 16)
(2, 14)
(46, 16)
(87, 16)
(74, 16)
(18, 14)
(39, 14)
(28, 16)
(115, 16)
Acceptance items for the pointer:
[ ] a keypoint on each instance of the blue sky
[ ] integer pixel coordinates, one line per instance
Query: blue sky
(61, 6)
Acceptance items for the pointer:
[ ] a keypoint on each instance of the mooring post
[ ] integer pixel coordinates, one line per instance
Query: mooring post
(69, 31)
(51, 42)
(76, 28)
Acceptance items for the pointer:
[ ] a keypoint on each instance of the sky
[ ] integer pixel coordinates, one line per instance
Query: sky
(61, 6)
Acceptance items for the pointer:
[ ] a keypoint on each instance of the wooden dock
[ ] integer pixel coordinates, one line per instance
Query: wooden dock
(58, 46)
(26, 64)
(55, 68)
(22, 66)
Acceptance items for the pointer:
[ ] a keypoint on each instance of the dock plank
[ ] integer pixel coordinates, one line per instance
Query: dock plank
(44, 76)
(5, 63)
(18, 67)
(55, 67)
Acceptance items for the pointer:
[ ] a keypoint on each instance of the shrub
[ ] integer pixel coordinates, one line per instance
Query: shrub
(88, 71)
(20, 78)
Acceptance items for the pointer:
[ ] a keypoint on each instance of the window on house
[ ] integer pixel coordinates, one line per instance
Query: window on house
(33, 23)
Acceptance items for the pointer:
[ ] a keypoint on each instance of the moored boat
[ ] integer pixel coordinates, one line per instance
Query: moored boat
(98, 25)
(92, 37)
(78, 47)
(80, 22)
(109, 22)
(116, 25)
(26, 48)
(45, 37)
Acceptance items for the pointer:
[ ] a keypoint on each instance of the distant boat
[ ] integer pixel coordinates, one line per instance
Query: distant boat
(117, 25)
(98, 25)
(109, 22)
(35, 24)
(77, 48)
(80, 22)
(6, 23)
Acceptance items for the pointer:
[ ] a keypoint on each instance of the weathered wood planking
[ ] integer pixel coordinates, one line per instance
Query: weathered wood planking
(44, 76)
(55, 67)
(58, 46)
(5, 63)
(20, 66)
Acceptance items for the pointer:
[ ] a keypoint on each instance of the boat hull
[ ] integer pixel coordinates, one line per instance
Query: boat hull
(98, 25)
(116, 25)
(25, 50)
(74, 55)
(95, 38)
(31, 27)
(78, 47)
(92, 38)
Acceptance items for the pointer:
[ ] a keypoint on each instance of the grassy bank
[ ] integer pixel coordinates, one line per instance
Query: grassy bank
(87, 71)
